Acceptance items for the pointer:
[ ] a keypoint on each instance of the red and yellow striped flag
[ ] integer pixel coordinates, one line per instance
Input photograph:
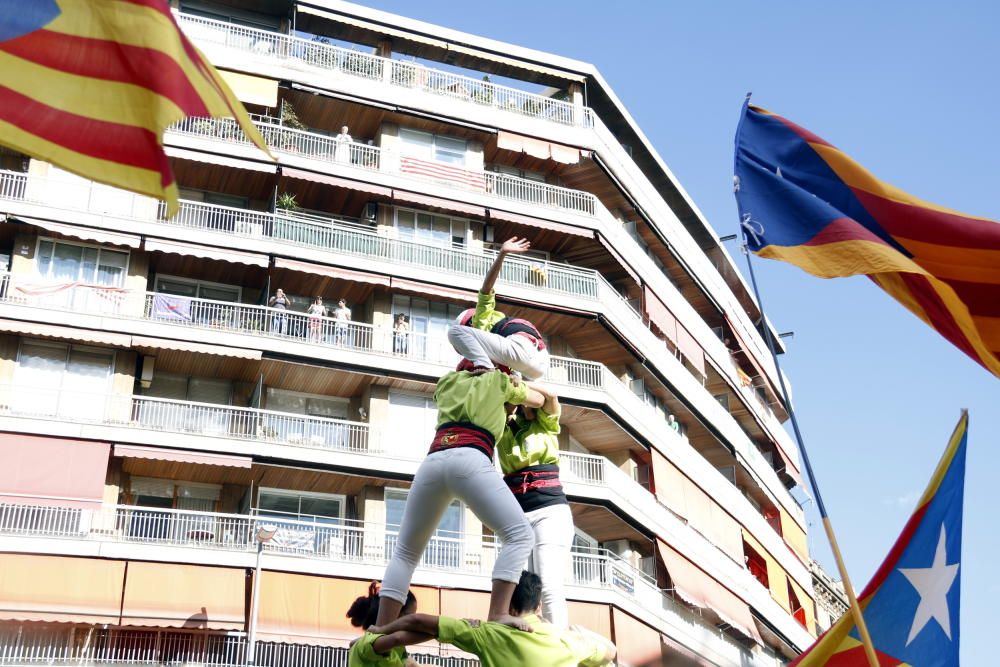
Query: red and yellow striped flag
(90, 86)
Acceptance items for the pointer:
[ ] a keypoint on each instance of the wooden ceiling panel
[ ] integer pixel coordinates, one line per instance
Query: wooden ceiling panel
(197, 175)
(313, 379)
(251, 278)
(604, 526)
(204, 365)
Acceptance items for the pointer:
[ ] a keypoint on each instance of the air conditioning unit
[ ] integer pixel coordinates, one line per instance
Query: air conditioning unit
(620, 548)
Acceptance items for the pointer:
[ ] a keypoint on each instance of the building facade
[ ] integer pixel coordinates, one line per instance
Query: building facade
(161, 400)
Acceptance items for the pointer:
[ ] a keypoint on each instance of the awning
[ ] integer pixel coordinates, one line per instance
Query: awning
(68, 333)
(182, 456)
(692, 658)
(794, 536)
(185, 596)
(437, 202)
(537, 147)
(84, 233)
(696, 587)
(724, 531)
(659, 315)
(336, 181)
(304, 609)
(378, 28)
(204, 252)
(52, 471)
(517, 64)
(252, 89)
(691, 350)
(55, 589)
(189, 346)
(331, 271)
(669, 483)
(221, 160)
(638, 644)
(517, 218)
(807, 604)
(618, 258)
(776, 576)
(428, 289)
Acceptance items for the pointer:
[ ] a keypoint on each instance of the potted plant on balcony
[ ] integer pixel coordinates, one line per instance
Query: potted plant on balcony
(290, 119)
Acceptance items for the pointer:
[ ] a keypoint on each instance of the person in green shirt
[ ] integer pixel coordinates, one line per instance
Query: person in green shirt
(528, 453)
(471, 418)
(373, 650)
(499, 645)
(487, 337)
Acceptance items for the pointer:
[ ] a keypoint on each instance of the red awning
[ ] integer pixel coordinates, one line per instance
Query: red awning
(437, 202)
(531, 221)
(659, 314)
(691, 350)
(52, 471)
(331, 271)
(361, 186)
(429, 289)
(181, 456)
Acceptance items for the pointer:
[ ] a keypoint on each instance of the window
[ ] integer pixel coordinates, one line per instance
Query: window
(427, 146)
(301, 505)
(445, 548)
(412, 421)
(436, 230)
(795, 606)
(307, 522)
(429, 321)
(65, 380)
(69, 263)
(723, 400)
(197, 289)
(193, 522)
(756, 564)
(181, 415)
(286, 427)
(587, 564)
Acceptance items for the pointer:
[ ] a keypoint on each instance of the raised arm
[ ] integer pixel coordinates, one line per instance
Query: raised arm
(551, 400)
(417, 623)
(386, 643)
(512, 246)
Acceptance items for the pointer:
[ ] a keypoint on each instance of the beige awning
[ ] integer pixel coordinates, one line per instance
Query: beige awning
(189, 346)
(331, 271)
(537, 147)
(84, 233)
(515, 63)
(373, 27)
(252, 89)
(437, 202)
(638, 644)
(532, 221)
(181, 456)
(413, 287)
(55, 589)
(221, 160)
(185, 596)
(68, 333)
(335, 181)
(219, 254)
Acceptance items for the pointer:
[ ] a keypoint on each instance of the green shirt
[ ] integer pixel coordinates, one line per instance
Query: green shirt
(486, 315)
(502, 646)
(529, 442)
(477, 399)
(363, 654)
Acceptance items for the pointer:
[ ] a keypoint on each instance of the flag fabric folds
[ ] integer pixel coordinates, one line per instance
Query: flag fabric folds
(911, 605)
(91, 86)
(803, 201)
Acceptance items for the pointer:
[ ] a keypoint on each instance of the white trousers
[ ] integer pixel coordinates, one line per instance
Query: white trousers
(551, 560)
(485, 349)
(464, 473)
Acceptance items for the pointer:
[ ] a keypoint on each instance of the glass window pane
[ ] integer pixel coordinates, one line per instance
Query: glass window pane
(278, 502)
(88, 269)
(209, 390)
(111, 271)
(88, 369)
(45, 257)
(66, 262)
(314, 506)
(41, 365)
(283, 401)
(179, 288)
(219, 293)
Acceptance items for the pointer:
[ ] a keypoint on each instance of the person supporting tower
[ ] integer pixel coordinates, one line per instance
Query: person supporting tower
(528, 453)
(471, 417)
(486, 337)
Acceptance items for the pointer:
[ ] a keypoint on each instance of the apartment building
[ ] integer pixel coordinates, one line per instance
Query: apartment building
(158, 405)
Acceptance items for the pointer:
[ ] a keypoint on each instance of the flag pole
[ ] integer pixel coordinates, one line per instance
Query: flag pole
(856, 612)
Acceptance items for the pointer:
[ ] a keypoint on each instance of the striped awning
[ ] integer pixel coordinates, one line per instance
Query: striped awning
(205, 252)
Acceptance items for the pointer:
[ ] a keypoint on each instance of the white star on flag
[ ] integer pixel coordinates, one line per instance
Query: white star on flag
(932, 584)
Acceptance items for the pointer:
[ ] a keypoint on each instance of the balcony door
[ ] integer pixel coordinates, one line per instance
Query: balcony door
(446, 547)
(207, 301)
(429, 321)
(193, 404)
(308, 522)
(56, 379)
(92, 278)
(306, 419)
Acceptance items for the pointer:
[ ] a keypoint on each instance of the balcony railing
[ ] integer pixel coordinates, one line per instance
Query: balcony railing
(95, 646)
(326, 58)
(346, 541)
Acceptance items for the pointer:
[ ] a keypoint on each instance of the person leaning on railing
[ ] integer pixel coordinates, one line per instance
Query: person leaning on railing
(280, 302)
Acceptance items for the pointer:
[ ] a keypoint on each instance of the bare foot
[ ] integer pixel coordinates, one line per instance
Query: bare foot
(513, 621)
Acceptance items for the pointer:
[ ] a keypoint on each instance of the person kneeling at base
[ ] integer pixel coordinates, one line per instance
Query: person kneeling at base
(499, 645)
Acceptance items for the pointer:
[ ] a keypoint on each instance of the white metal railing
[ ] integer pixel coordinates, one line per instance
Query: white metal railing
(334, 539)
(297, 51)
(59, 644)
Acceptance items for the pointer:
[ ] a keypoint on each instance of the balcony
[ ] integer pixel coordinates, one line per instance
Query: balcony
(356, 543)
(324, 59)
(346, 238)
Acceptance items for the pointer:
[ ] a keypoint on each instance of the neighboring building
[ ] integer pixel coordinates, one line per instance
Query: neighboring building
(831, 598)
(156, 410)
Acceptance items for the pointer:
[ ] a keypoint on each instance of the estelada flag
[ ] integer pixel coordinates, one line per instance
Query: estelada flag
(803, 201)
(911, 605)
(90, 86)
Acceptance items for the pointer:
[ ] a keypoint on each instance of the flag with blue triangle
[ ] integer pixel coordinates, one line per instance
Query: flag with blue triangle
(911, 605)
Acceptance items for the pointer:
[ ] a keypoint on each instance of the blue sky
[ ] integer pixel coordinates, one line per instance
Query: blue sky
(907, 89)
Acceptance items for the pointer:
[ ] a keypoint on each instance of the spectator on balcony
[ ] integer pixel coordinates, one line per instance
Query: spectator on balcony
(485, 336)
(503, 646)
(401, 335)
(342, 146)
(316, 311)
(342, 324)
(279, 320)
(674, 424)
(459, 465)
(528, 453)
